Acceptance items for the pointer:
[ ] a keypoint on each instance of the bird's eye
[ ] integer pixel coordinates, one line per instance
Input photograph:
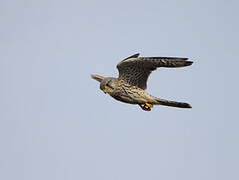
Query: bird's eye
(109, 84)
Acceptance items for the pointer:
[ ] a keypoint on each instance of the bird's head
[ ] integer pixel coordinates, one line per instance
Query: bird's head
(107, 84)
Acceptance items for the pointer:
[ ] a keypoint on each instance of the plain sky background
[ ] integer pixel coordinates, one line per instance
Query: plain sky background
(57, 125)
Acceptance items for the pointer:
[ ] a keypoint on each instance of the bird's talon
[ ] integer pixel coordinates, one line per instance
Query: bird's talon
(146, 106)
(149, 105)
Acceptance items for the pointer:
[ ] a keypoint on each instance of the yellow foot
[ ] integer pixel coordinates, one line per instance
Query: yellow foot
(146, 106)
(149, 105)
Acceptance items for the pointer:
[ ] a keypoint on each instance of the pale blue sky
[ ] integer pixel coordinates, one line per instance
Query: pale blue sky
(57, 125)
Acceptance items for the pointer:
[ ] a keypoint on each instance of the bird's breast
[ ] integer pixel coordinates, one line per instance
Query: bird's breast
(128, 94)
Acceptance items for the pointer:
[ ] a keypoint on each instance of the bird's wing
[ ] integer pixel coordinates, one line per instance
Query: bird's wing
(135, 70)
(97, 77)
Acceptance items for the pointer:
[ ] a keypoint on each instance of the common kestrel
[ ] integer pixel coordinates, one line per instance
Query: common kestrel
(130, 86)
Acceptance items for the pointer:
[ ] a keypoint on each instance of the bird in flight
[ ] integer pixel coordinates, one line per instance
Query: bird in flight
(131, 84)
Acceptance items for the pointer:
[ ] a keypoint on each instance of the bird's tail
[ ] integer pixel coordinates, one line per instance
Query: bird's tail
(172, 103)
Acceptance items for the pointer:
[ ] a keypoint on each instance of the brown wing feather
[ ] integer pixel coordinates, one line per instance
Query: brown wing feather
(136, 70)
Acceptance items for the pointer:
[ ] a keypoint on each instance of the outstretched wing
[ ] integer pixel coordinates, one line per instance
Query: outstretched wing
(135, 70)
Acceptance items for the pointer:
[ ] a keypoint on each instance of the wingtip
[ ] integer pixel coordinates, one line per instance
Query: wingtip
(97, 77)
(92, 76)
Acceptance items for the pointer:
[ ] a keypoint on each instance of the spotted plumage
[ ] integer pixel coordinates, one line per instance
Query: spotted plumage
(134, 71)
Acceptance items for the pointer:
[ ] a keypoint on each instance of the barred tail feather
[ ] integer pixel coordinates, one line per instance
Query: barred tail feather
(173, 103)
